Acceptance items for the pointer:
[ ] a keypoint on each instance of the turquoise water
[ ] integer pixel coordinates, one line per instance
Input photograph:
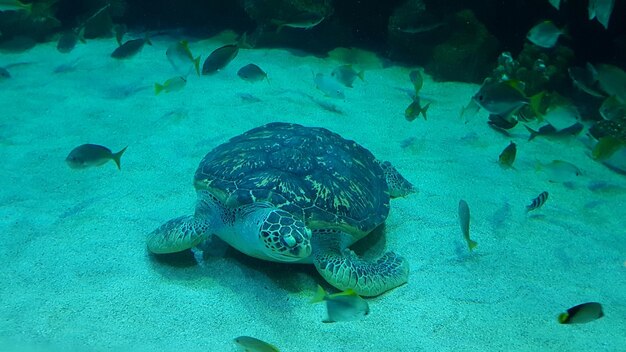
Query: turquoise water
(77, 276)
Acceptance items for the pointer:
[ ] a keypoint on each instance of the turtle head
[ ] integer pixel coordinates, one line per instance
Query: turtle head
(284, 237)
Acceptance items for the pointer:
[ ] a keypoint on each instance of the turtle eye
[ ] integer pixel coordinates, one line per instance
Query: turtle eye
(289, 241)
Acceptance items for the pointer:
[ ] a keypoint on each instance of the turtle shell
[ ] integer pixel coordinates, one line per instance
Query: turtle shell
(328, 181)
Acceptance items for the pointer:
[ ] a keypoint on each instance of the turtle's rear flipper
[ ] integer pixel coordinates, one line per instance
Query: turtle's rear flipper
(345, 270)
(177, 235)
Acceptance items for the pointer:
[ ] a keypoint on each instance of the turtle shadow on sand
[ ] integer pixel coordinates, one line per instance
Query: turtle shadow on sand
(210, 260)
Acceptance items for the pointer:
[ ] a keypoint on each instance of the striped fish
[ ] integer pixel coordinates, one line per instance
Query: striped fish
(537, 202)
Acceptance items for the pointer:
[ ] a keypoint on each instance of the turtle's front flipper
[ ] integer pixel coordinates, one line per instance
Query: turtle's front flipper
(177, 235)
(345, 270)
(398, 185)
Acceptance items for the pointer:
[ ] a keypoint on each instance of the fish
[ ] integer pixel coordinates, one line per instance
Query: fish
(612, 109)
(502, 123)
(555, 3)
(4, 73)
(362, 58)
(251, 344)
(251, 73)
(415, 109)
(342, 306)
(346, 75)
(559, 170)
(171, 85)
(501, 98)
(612, 80)
(181, 59)
(539, 201)
(548, 130)
(303, 20)
(417, 29)
(249, 98)
(507, 157)
(464, 220)
(68, 40)
(561, 115)
(14, 5)
(544, 34)
(219, 58)
(584, 79)
(470, 110)
(418, 81)
(606, 147)
(582, 313)
(601, 10)
(88, 155)
(130, 48)
(329, 86)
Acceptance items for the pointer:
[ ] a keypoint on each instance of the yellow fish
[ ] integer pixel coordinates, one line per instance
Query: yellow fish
(171, 85)
(507, 157)
(14, 5)
(342, 306)
(251, 344)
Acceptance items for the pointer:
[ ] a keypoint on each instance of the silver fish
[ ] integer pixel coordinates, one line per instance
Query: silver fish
(329, 86)
(464, 220)
(544, 34)
(601, 10)
(342, 306)
(181, 59)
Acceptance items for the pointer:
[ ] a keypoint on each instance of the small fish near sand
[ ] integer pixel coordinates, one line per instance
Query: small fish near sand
(130, 48)
(346, 75)
(88, 155)
(606, 147)
(252, 73)
(464, 221)
(559, 171)
(171, 85)
(68, 40)
(342, 306)
(251, 344)
(582, 313)
(549, 130)
(329, 86)
(415, 109)
(4, 73)
(538, 202)
(181, 58)
(507, 157)
(418, 81)
(219, 58)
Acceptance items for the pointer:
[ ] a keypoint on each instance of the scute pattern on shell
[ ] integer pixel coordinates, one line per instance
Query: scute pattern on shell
(312, 172)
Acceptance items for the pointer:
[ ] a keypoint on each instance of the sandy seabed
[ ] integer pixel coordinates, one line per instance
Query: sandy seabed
(76, 274)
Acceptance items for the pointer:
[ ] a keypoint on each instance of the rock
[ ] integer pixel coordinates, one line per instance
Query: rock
(468, 55)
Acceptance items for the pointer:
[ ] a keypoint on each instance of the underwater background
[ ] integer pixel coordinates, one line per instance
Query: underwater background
(508, 117)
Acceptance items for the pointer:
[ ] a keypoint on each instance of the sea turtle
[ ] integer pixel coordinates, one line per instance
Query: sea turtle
(288, 193)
